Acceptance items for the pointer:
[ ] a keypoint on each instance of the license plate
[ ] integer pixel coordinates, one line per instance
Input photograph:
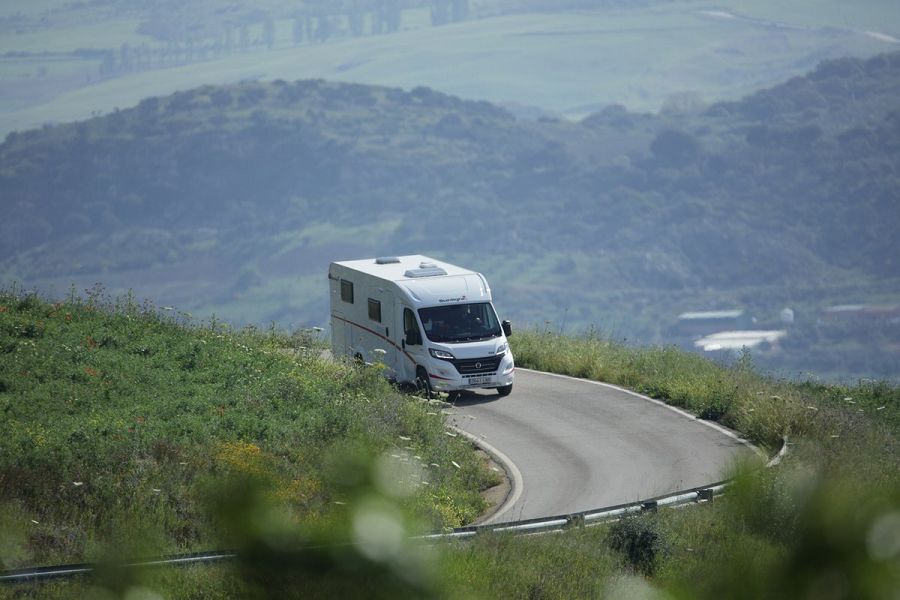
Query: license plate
(479, 380)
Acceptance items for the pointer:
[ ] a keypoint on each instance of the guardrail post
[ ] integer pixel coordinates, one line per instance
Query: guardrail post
(575, 521)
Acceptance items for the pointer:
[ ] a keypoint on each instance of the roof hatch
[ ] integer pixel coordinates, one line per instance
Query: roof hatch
(426, 269)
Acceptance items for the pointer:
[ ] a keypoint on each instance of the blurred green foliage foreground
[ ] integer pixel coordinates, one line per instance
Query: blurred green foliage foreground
(129, 431)
(126, 430)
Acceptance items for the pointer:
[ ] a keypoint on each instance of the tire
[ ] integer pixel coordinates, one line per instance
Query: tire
(504, 390)
(423, 383)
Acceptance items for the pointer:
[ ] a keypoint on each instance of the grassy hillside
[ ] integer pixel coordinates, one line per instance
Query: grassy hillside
(825, 518)
(233, 200)
(129, 430)
(72, 60)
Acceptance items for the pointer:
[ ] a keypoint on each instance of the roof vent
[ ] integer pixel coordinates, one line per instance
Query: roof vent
(386, 260)
(427, 265)
(423, 271)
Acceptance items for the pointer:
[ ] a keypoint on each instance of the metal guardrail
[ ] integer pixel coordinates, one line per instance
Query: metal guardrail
(524, 527)
(585, 518)
(528, 526)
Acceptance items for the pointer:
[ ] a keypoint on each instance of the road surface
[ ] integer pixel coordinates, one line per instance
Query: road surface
(579, 445)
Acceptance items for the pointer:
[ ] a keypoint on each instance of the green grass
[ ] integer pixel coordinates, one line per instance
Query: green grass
(125, 426)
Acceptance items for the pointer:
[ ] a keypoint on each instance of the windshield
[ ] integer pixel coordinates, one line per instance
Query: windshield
(460, 322)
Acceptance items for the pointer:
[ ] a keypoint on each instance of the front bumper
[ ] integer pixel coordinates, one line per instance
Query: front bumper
(446, 378)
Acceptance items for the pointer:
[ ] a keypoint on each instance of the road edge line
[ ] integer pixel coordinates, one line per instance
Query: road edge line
(721, 429)
(516, 485)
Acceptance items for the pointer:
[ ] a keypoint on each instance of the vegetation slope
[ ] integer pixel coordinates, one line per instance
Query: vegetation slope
(130, 431)
(233, 199)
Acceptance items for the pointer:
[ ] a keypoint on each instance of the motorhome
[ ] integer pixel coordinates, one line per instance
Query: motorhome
(430, 323)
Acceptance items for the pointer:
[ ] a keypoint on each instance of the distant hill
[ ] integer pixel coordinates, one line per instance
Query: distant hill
(233, 199)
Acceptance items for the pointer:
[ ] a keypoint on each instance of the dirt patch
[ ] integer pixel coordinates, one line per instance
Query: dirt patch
(494, 496)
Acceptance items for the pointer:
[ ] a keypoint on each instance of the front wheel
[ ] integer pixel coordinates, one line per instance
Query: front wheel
(423, 382)
(504, 390)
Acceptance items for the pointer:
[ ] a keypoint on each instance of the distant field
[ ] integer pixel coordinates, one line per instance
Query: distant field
(571, 63)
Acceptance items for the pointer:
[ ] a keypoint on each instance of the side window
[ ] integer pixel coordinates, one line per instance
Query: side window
(375, 310)
(411, 328)
(347, 291)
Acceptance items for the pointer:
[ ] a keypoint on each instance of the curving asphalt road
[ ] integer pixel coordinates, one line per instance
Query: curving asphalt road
(579, 445)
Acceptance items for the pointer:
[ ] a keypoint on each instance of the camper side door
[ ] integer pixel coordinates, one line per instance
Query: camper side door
(382, 319)
(411, 342)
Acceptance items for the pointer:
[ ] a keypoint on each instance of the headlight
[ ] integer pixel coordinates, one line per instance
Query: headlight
(502, 348)
(441, 354)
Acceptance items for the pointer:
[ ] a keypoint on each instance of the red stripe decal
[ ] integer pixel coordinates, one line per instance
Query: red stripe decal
(375, 333)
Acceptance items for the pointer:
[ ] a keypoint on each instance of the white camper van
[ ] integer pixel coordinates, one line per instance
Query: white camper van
(431, 323)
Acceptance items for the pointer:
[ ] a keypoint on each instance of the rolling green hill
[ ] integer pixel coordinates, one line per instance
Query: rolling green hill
(63, 61)
(233, 199)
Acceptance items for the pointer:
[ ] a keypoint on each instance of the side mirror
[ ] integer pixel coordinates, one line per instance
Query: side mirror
(507, 328)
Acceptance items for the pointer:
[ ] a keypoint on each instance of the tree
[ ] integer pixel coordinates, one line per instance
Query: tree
(244, 39)
(269, 32)
(460, 10)
(297, 31)
(674, 148)
(440, 12)
(356, 21)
